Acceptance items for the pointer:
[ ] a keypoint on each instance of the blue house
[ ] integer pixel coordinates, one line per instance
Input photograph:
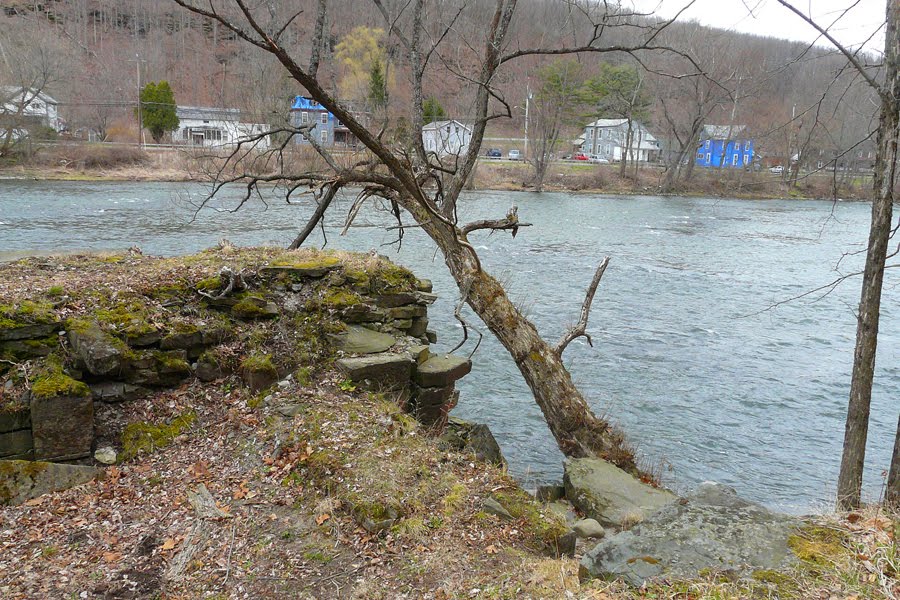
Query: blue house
(328, 131)
(724, 146)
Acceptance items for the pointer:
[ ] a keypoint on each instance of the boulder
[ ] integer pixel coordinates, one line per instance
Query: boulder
(100, 353)
(381, 370)
(588, 528)
(492, 507)
(608, 494)
(22, 480)
(409, 311)
(424, 285)
(712, 530)
(359, 340)
(362, 313)
(474, 437)
(442, 370)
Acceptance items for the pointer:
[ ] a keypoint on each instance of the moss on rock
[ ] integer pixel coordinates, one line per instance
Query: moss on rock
(143, 438)
(52, 382)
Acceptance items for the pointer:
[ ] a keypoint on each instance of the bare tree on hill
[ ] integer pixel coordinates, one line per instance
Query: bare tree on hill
(417, 185)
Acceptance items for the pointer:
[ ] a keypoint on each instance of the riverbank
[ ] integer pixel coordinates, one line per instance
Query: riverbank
(98, 162)
(319, 487)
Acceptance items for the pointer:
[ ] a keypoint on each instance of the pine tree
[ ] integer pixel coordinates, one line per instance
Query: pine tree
(158, 109)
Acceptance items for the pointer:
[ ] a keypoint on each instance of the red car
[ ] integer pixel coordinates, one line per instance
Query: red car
(579, 156)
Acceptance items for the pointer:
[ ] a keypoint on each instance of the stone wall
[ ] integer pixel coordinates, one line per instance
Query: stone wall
(377, 334)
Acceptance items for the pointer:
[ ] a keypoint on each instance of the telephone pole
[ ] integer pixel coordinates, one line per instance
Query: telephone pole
(137, 60)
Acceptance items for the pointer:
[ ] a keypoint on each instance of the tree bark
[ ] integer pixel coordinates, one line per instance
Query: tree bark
(854, 454)
(892, 494)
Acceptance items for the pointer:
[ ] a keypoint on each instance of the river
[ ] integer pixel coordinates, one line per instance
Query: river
(696, 355)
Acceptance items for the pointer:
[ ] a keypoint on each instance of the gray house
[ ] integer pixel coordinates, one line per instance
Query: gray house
(608, 138)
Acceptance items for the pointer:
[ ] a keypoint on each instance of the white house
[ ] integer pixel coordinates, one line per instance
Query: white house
(25, 107)
(608, 138)
(215, 128)
(446, 138)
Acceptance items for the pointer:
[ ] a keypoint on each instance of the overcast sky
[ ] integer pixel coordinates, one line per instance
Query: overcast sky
(768, 17)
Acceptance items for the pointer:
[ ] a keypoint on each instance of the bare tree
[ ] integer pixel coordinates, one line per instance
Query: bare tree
(559, 94)
(418, 186)
(853, 459)
(892, 494)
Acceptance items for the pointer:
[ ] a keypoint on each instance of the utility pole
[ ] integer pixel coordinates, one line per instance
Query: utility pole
(527, 102)
(140, 117)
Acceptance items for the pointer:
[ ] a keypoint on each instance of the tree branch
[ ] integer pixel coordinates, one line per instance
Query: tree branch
(509, 222)
(579, 330)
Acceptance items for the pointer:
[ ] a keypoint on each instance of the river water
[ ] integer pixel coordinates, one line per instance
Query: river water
(693, 355)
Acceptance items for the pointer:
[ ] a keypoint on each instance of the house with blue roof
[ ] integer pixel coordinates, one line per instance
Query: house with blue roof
(724, 146)
(328, 130)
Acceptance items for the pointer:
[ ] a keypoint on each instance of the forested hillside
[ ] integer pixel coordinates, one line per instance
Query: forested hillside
(89, 54)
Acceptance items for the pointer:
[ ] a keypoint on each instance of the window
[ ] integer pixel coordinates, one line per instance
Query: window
(707, 144)
(737, 146)
(708, 156)
(324, 118)
(448, 129)
(700, 155)
(747, 159)
(324, 136)
(734, 160)
(304, 117)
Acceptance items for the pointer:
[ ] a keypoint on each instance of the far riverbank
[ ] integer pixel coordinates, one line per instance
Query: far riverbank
(99, 162)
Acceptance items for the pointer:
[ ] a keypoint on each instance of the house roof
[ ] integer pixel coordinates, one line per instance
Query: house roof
(207, 113)
(304, 103)
(607, 123)
(9, 93)
(722, 132)
(435, 125)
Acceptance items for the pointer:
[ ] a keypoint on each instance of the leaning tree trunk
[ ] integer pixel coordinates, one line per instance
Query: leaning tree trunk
(892, 494)
(853, 459)
(578, 432)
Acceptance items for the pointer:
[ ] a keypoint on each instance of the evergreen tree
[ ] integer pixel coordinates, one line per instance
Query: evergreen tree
(158, 109)
(377, 85)
(433, 110)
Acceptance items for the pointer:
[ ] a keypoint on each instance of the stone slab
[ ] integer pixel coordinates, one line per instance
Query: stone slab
(22, 480)
(360, 340)
(608, 494)
(16, 443)
(100, 353)
(28, 332)
(442, 370)
(380, 370)
(14, 419)
(62, 426)
(710, 530)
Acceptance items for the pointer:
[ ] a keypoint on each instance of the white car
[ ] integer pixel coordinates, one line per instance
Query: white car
(597, 159)
(514, 155)
(777, 169)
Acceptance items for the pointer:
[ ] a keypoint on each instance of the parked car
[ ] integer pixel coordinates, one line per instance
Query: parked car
(494, 153)
(513, 155)
(777, 169)
(579, 156)
(596, 158)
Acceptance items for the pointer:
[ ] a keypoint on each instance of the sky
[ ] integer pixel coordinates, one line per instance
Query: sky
(769, 18)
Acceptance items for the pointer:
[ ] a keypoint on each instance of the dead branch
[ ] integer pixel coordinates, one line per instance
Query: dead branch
(579, 330)
(509, 223)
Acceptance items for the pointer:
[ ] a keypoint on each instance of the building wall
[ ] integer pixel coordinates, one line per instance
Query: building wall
(735, 154)
(446, 143)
